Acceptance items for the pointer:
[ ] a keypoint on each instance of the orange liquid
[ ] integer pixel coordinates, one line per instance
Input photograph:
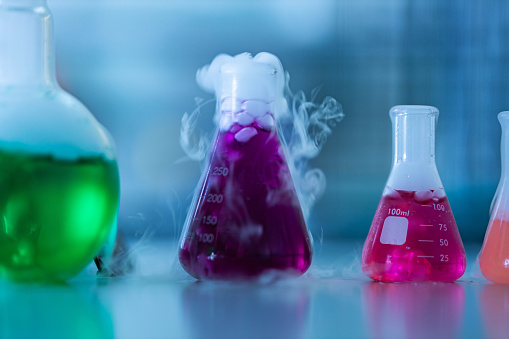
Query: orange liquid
(494, 259)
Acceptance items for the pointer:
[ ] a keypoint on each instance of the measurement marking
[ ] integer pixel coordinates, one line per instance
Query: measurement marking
(425, 256)
(427, 225)
(426, 240)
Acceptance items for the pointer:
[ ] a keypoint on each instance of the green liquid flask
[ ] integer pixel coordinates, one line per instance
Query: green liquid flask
(59, 183)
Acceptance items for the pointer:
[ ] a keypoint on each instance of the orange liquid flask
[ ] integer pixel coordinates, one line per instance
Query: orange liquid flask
(413, 236)
(246, 218)
(494, 258)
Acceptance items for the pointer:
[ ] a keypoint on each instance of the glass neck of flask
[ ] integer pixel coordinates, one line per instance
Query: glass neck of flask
(27, 58)
(242, 82)
(414, 134)
(503, 118)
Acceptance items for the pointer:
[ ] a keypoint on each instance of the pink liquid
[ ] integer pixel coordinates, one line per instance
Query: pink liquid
(247, 219)
(494, 258)
(429, 250)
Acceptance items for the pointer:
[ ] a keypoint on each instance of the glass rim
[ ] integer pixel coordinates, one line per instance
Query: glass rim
(244, 68)
(22, 3)
(413, 109)
(503, 115)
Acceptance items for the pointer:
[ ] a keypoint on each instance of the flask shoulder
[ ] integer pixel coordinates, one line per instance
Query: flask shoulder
(414, 177)
(53, 122)
(500, 203)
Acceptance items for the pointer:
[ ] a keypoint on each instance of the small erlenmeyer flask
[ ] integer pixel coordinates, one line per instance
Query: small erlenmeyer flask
(245, 219)
(59, 184)
(494, 258)
(413, 236)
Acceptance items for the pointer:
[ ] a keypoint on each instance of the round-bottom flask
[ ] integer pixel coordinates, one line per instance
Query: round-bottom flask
(414, 236)
(246, 219)
(59, 184)
(494, 258)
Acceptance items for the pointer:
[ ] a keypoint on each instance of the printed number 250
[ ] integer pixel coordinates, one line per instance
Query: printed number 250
(220, 171)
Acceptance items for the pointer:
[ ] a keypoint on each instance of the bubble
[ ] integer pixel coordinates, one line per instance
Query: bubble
(244, 119)
(226, 122)
(231, 105)
(266, 122)
(438, 194)
(423, 196)
(255, 108)
(391, 193)
(245, 134)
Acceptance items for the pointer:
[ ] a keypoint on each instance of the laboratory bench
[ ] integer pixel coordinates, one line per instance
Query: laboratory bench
(332, 300)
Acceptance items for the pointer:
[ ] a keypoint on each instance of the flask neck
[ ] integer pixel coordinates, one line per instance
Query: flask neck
(27, 58)
(503, 118)
(414, 134)
(414, 166)
(243, 81)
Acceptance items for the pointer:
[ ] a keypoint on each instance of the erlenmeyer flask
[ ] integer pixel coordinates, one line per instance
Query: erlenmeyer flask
(59, 184)
(413, 236)
(246, 218)
(494, 258)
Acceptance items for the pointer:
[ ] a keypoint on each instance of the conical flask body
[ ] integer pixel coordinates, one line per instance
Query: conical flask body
(494, 256)
(413, 236)
(246, 219)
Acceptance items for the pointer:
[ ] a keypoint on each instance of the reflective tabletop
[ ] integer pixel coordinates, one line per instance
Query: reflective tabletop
(332, 300)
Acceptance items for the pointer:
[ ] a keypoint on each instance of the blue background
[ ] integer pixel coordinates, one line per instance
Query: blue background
(133, 63)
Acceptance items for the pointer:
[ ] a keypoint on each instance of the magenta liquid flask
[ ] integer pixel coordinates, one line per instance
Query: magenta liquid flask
(246, 219)
(413, 236)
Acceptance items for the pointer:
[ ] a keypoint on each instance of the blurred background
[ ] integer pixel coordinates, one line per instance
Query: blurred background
(133, 64)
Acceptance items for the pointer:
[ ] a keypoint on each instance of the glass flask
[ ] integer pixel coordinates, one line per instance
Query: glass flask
(59, 183)
(245, 219)
(413, 236)
(494, 258)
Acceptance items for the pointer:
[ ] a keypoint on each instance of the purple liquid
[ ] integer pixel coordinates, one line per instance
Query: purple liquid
(429, 250)
(247, 219)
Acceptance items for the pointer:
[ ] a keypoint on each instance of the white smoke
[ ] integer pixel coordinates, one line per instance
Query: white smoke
(304, 125)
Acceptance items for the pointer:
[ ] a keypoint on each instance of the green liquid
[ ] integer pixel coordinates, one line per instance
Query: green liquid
(55, 215)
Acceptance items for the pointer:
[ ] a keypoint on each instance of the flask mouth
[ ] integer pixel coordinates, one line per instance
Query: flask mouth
(247, 80)
(503, 115)
(413, 110)
(243, 67)
(22, 3)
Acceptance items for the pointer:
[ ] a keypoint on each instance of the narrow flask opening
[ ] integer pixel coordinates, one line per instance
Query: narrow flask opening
(503, 118)
(22, 3)
(253, 81)
(26, 44)
(414, 133)
(414, 148)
